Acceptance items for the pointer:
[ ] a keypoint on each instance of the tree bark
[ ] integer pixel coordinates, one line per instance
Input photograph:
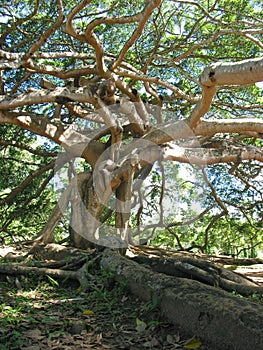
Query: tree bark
(203, 271)
(86, 209)
(233, 73)
(221, 320)
(123, 205)
(123, 208)
(81, 274)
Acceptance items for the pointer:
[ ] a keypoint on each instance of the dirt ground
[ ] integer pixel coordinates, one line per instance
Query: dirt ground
(38, 314)
(254, 272)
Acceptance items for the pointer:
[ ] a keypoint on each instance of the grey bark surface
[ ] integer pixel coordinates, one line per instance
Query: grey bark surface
(203, 271)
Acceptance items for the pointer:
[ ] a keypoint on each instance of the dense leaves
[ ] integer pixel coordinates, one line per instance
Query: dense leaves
(155, 50)
(26, 193)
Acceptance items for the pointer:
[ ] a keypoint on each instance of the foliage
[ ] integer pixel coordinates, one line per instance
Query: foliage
(209, 207)
(228, 236)
(23, 215)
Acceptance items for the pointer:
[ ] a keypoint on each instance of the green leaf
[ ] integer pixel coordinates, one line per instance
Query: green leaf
(53, 281)
(140, 325)
(193, 343)
(88, 313)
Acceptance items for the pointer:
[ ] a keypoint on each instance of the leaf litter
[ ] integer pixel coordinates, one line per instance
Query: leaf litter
(60, 317)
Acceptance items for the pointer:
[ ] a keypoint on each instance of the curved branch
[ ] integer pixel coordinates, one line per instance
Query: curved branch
(150, 7)
(26, 182)
(47, 33)
(19, 22)
(203, 106)
(69, 27)
(112, 20)
(34, 196)
(19, 145)
(87, 37)
(218, 74)
(59, 95)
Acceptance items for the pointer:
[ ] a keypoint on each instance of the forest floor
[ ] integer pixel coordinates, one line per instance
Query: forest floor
(40, 312)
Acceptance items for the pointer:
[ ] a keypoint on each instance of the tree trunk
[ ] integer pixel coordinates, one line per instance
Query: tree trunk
(86, 209)
(47, 233)
(124, 194)
(123, 210)
(221, 320)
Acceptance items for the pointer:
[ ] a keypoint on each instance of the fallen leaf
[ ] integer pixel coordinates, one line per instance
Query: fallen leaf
(169, 339)
(34, 334)
(87, 313)
(140, 325)
(193, 343)
(172, 339)
(154, 342)
(108, 334)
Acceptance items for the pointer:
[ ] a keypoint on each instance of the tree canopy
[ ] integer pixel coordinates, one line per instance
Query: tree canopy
(145, 116)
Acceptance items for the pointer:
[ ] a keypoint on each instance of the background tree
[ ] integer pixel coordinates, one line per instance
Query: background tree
(126, 88)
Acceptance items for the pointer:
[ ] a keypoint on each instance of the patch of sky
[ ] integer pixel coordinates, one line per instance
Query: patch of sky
(260, 85)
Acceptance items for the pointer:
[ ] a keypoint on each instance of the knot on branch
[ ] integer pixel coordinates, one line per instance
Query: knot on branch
(105, 92)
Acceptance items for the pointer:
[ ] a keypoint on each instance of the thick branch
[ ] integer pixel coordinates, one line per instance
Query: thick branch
(211, 127)
(203, 106)
(237, 73)
(59, 95)
(200, 156)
